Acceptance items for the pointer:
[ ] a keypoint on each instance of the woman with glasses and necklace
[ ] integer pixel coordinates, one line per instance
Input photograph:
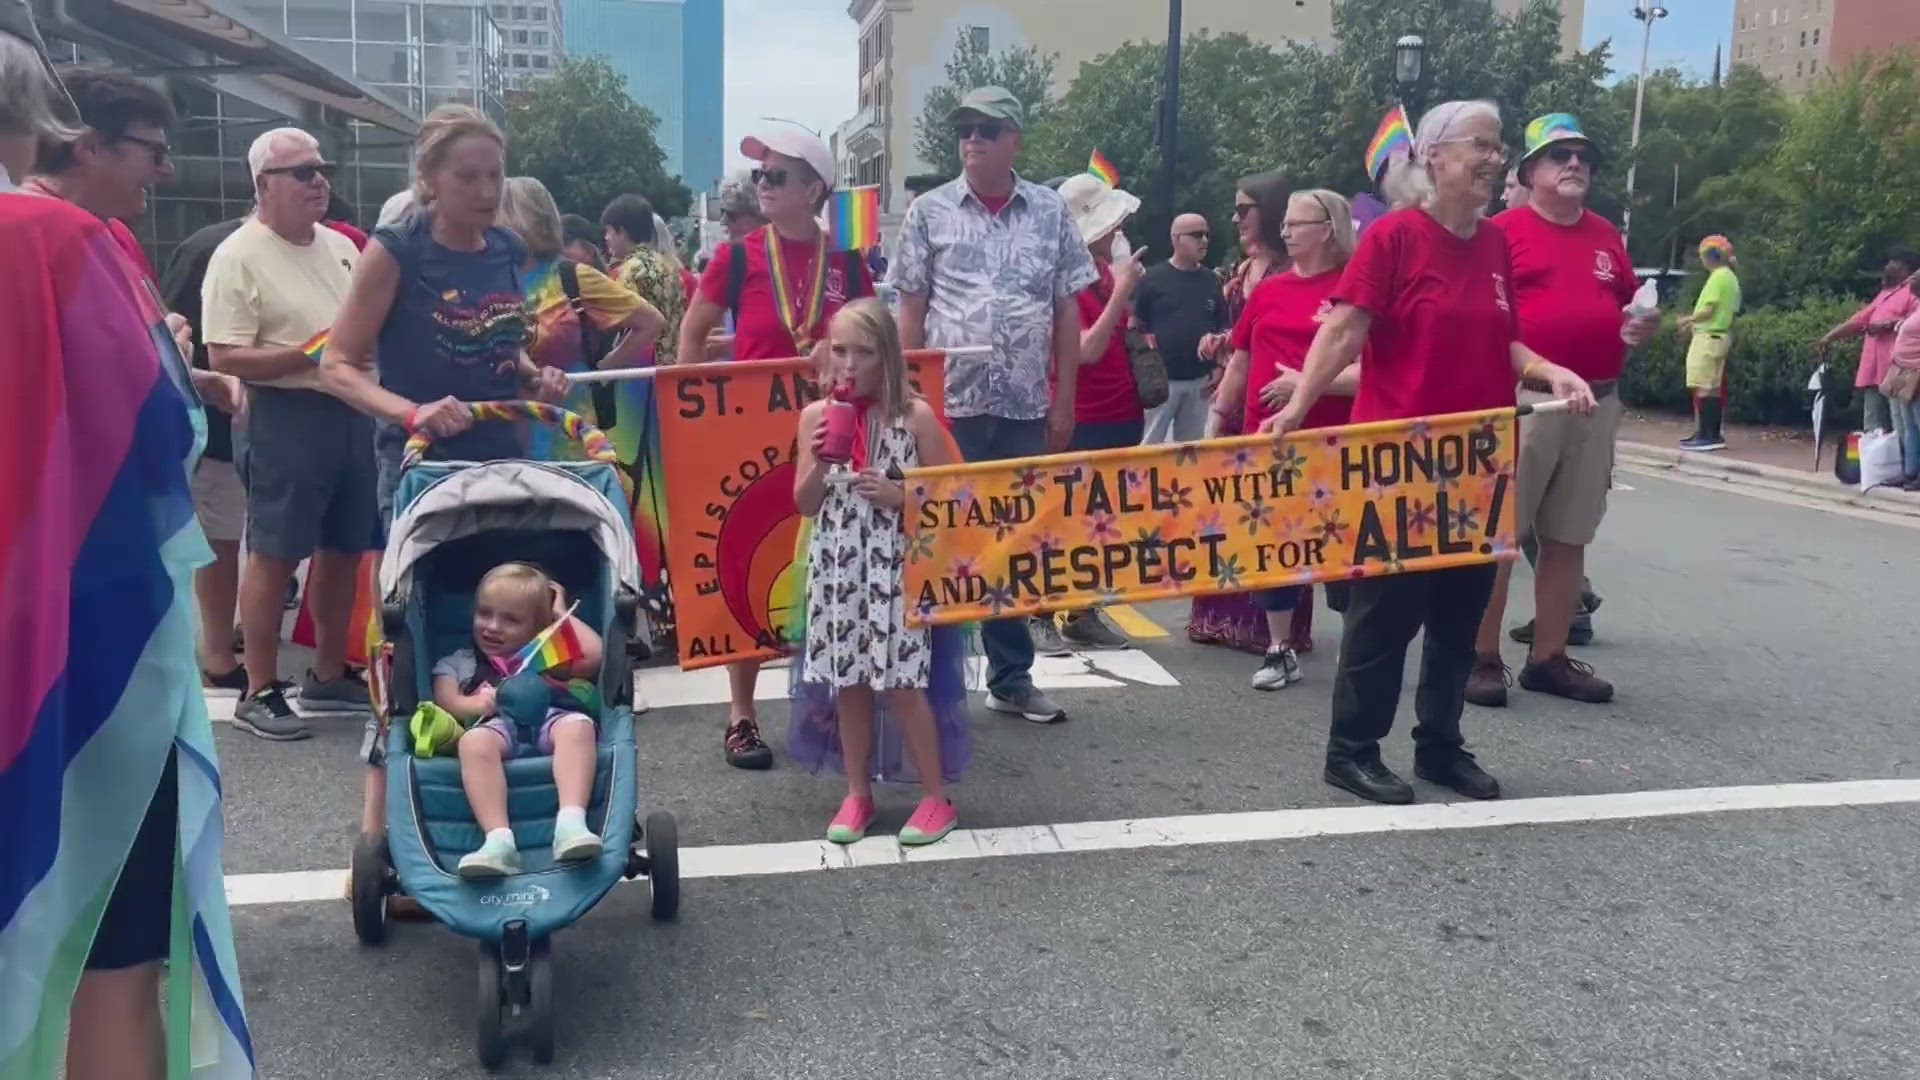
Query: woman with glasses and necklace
(782, 284)
(1428, 289)
(1270, 341)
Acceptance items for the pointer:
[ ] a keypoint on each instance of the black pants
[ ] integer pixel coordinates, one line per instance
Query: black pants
(1381, 618)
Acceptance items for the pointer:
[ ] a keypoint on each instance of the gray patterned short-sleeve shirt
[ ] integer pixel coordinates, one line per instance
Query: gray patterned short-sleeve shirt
(992, 279)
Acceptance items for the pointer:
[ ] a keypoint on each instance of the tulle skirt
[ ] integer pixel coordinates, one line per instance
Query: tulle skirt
(1231, 620)
(813, 726)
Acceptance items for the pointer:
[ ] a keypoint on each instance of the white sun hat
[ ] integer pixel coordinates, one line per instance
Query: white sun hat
(1097, 207)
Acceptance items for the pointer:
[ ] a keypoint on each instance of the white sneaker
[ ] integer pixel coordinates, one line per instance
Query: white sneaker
(1280, 668)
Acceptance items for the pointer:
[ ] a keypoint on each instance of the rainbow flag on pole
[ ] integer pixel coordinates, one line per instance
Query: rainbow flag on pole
(1098, 165)
(1394, 138)
(557, 647)
(855, 214)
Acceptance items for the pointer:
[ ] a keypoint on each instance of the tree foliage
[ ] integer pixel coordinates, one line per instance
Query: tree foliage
(583, 137)
(1026, 72)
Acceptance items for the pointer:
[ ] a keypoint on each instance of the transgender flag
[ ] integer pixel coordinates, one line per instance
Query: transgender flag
(98, 682)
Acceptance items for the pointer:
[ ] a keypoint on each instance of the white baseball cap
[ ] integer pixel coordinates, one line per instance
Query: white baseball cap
(793, 143)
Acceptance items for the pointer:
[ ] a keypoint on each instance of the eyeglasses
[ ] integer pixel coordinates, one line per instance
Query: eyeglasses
(1290, 224)
(1486, 148)
(773, 178)
(1566, 155)
(1241, 210)
(162, 153)
(1200, 235)
(303, 174)
(984, 130)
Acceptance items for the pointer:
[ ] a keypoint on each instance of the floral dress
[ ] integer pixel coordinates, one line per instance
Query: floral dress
(856, 606)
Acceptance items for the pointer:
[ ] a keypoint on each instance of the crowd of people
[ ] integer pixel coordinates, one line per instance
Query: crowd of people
(318, 350)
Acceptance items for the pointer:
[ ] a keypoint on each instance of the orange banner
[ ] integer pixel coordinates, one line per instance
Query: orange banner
(1152, 522)
(727, 435)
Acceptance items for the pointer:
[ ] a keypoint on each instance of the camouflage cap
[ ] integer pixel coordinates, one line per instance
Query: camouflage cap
(994, 103)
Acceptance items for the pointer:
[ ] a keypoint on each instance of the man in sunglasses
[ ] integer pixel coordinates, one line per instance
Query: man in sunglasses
(1572, 281)
(1181, 306)
(989, 259)
(271, 292)
(123, 152)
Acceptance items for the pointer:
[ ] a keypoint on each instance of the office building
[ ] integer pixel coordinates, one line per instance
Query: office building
(1799, 41)
(533, 35)
(672, 53)
(905, 45)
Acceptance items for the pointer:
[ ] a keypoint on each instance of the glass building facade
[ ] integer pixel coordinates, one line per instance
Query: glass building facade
(672, 55)
(417, 54)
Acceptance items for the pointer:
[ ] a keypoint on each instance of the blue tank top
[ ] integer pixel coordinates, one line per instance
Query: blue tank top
(456, 328)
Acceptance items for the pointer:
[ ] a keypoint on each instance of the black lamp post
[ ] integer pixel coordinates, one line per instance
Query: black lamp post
(1409, 68)
(1170, 110)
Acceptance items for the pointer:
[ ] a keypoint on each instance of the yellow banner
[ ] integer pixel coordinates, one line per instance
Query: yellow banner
(1058, 533)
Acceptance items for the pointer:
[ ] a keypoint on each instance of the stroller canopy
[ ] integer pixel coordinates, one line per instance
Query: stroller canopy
(473, 499)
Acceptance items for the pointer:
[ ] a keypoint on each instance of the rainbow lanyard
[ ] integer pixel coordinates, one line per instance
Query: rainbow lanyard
(800, 327)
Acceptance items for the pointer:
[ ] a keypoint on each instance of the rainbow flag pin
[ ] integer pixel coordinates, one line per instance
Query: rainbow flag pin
(1393, 138)
(315, 345)
(1098, 165)
(855, 215)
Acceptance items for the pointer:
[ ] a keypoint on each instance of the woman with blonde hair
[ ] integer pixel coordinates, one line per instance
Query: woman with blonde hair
(582, 320)
(434, 321)
(1428, 285)
(1270, 343)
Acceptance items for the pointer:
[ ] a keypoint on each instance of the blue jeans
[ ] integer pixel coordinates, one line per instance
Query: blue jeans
(1009, 648)
(1906, 420)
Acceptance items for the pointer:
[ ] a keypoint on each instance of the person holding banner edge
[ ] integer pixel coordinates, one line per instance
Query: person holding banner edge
(782, 292)
(1427, 288)
(991, 256)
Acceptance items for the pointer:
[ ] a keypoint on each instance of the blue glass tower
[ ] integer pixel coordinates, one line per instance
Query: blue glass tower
(672, 53)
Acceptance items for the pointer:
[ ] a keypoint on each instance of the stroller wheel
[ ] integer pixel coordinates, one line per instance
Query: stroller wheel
(369, 884)
(540, 1003)
(663, 865)
(491, 1042)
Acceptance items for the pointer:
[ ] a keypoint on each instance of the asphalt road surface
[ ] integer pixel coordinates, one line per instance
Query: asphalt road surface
(1163, 887)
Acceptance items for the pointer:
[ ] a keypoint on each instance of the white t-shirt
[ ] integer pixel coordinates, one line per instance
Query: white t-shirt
(263, 291)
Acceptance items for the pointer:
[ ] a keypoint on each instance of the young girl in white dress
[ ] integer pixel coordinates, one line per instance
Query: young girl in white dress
(861, 689)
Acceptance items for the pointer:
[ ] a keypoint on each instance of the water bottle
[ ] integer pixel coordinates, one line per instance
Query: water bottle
(1646, 300)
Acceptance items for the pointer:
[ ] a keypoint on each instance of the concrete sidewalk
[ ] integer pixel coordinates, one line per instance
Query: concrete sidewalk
(1779, 460)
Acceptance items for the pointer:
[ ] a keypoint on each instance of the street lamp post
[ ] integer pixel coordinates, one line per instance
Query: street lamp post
(1170, 110)
(1646, 13)
(1409, 66)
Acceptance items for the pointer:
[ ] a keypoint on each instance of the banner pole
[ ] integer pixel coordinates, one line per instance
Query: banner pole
(629, 374)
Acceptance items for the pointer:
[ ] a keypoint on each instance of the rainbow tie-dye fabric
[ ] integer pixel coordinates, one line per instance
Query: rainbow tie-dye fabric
(98, 682)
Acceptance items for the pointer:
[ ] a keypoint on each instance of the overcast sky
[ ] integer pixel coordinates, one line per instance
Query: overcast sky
(796, 59)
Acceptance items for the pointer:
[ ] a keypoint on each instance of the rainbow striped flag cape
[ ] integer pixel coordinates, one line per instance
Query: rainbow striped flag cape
(98, 681)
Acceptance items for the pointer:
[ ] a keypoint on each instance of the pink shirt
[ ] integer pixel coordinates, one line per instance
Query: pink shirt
(1906, 343)
(1892, 305)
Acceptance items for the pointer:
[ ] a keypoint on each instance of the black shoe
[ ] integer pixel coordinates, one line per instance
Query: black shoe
(234, 679)
(744, 748)
(1456, 769)
(1369, 779)
(1577, 635)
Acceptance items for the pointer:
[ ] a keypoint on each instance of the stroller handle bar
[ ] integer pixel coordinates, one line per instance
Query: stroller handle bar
(590, 439)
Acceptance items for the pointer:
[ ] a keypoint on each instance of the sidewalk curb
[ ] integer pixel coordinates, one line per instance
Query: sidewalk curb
(1747, 474)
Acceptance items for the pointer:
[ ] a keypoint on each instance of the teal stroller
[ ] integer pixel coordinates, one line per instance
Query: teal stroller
(453, 521)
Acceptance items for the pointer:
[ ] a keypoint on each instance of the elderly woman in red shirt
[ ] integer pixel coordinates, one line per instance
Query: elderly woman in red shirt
(1427, 289)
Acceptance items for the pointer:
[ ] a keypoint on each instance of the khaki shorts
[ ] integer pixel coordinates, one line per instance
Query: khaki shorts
(219, 500)
(1707, 360)
(1566, 467)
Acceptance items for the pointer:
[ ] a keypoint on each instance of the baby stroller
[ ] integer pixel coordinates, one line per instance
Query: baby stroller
(453, 522)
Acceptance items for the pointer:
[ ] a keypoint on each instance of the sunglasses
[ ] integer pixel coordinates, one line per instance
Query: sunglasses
(162, 153)
(1565, 155)
(301, 173)
(773, 178)
(1241, 210)
(984, 130)
(1200, 235)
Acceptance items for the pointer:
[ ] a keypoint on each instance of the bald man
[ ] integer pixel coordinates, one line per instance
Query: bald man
(1180, 306)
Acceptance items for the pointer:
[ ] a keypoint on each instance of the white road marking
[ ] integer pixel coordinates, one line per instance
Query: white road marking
(666, 687)
(1618, 486)
(806, 856)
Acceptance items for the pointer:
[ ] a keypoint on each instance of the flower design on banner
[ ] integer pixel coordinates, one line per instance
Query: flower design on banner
(961, 492)
(999, 596)
(1443, 482)
(1138, 479)
(1102, 527)
(926, 609)
(1466, 520)
(1030, 481)
(963, 569)
(1256, 515)
(1331, 440)
(1490, 433)
(1149, 539)
(1180, 495)
(1333, 527)
(1213, 527)
(1321, 495)
(1418, 430)
(1186, 454)
(1291, 462)
(1004, 529)
(1420, 517)
(920, 545)
(1044, 541)
(1227, 571)
(1241, 460)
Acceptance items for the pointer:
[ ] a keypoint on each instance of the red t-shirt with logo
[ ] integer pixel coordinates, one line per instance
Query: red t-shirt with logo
(1443, 326)
(1570, 282)
(760, 333)
(1105, 393)
(1276, 328)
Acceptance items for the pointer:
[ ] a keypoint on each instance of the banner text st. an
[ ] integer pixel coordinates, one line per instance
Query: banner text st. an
(1144, 523)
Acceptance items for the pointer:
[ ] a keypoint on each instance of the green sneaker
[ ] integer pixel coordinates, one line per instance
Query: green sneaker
(574, 842)
(496, 858)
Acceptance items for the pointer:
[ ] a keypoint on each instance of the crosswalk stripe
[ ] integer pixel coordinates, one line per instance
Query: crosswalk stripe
(1133, 622)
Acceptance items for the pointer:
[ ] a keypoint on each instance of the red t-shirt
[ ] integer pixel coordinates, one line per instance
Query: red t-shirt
(760, 334)
(349, 230)
(1443, 326)
(1276, 328)
(1105, 394)
(1570, 282)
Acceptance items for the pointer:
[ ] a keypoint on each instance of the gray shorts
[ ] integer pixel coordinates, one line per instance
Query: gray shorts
(307, 460)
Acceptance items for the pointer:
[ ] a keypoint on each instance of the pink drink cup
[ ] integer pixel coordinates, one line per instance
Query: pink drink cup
(837, 447)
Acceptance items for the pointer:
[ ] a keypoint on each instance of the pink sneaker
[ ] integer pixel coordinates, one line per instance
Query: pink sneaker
(851, 823)
(932, 820)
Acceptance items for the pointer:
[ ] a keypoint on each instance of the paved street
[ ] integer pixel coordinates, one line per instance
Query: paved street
(1754, 644)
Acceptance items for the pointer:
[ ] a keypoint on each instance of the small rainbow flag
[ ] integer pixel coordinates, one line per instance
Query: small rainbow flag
(316, 345)
(557, 646)
(1393, 138)
(856, 219)
(1098, 165)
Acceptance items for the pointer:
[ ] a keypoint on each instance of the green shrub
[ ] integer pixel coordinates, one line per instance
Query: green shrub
(1767, 372)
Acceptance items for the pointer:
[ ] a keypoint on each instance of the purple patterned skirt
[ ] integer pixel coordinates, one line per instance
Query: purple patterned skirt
(813, 726)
